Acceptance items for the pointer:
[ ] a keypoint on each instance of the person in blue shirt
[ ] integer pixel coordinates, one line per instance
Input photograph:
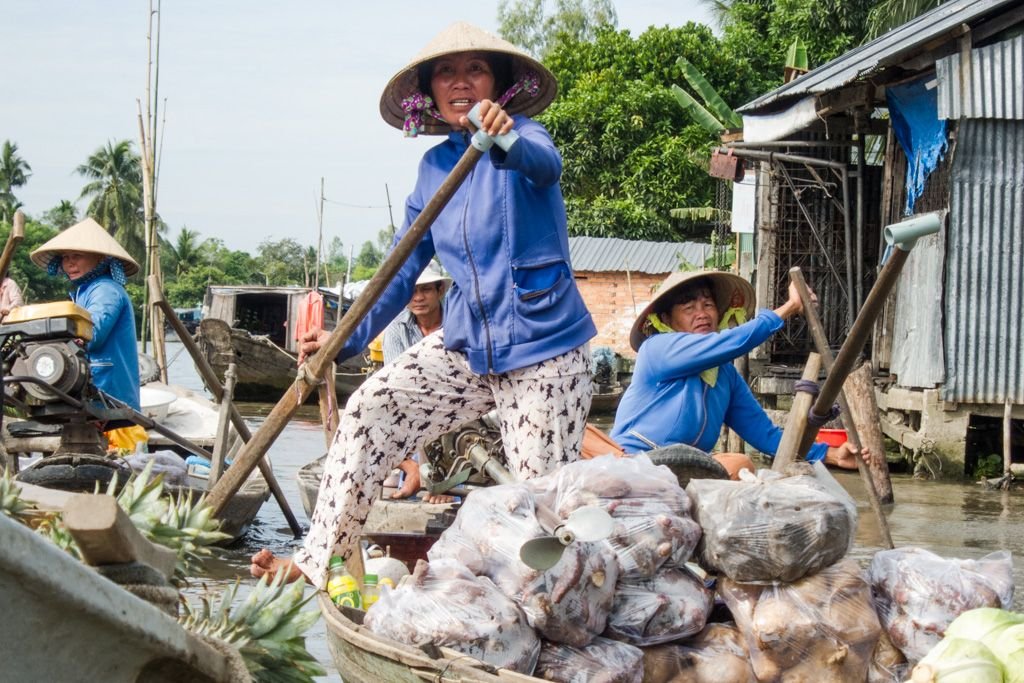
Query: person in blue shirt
(96, 267)
(516, 330)
(684, 386)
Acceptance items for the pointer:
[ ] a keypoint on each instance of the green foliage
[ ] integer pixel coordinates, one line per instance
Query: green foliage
(888, 14)
(369, 256)
(114, 187)
(988, 467)
(14, 172)
(525, 23)
(282, 262)
(62, 216)
(36, 285)
(715, 104)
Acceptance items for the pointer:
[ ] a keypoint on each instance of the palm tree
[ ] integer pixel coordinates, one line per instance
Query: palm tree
(115, 189)
(14, 172)
(63, 215)
(187, 251)
(888, 14)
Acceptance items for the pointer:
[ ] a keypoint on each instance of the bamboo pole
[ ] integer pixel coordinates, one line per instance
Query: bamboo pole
(214, 385)
(222, 443)
(294, 396)
(796, 424)
(821, 342)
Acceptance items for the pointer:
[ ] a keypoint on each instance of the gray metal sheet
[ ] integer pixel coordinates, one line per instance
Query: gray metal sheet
(917, 350)
(985, 270)
(603, 254)
(996, 83)
(892, 47)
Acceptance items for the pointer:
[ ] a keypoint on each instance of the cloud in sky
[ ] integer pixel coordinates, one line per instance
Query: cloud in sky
(261, 100)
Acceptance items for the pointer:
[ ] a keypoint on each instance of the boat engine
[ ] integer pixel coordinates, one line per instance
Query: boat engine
(46, 377)
(447, 462)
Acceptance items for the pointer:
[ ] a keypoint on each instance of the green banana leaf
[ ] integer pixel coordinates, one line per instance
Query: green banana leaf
(710, 96)
(701, 214)
(694, 109)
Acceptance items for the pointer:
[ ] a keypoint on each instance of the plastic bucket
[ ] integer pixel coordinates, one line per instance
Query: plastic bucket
(833, 437)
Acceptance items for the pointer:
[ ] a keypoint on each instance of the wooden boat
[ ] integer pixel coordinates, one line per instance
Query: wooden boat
(187, 414)
(65, 622)
(365, 657)
(254, 327)
(605, 400)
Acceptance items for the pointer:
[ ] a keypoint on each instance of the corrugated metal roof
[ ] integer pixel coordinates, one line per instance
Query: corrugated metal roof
(892, 48)
(995, 92)
(603, 254)
(984, 325)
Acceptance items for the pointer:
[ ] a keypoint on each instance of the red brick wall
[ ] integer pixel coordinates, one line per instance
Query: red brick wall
(608, 297)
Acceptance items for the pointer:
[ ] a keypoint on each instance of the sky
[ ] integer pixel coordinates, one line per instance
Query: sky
(259, 101)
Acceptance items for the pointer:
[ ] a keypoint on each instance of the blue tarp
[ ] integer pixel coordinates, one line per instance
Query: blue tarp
(914, 112)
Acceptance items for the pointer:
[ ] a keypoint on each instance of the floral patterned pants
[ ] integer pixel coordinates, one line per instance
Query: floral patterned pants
(422, 394)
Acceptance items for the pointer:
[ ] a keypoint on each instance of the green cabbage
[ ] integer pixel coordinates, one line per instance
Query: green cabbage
(1008, 645)
(959, 660)
(984, 623)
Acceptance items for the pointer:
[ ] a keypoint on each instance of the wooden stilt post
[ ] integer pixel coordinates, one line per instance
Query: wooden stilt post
(860, 395)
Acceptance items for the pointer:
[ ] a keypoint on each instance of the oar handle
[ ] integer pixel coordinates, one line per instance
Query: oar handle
(482, 141)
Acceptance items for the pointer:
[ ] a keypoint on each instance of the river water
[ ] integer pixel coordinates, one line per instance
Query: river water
(952, 519)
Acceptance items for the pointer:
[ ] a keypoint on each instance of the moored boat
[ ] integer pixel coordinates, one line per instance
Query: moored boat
(255, 328)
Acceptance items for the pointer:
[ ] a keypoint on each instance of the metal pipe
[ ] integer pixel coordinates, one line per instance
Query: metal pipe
(795, 158)
(787, 143)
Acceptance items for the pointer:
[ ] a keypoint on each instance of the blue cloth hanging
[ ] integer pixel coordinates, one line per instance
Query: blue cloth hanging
(914, 112)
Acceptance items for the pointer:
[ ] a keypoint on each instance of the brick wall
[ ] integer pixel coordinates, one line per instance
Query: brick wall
(607, 295)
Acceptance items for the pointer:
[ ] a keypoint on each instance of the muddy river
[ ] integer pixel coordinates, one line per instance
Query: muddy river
(953, 520)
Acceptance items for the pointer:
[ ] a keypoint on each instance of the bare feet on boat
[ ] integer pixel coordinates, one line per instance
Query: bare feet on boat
(411, 483)
(437, 498)
(265, 562)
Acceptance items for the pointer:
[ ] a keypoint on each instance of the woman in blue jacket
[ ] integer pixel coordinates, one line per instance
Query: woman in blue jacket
(96, 266)
(684, 386)
(515, 327)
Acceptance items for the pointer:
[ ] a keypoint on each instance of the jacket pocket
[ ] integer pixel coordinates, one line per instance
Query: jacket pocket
(538, 280)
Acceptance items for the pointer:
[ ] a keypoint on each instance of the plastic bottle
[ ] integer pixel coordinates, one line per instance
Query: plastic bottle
(341, 586)
(370, 591)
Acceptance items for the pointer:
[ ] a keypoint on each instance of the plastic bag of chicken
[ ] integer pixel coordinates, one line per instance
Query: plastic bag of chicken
(715, 655)
(773, 526)
(672, 604)
(445, 604)
(820, 629)
(568, 603)
(918, 593)
(603, 661)
(653, 524)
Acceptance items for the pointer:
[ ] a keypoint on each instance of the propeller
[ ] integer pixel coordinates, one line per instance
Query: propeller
(588, 523)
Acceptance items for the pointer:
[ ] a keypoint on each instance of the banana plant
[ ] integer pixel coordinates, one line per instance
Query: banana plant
(714, 115)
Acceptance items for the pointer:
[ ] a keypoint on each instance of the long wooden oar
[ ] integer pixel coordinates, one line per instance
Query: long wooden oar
(821, 342)
(156, 296)
(305, 383)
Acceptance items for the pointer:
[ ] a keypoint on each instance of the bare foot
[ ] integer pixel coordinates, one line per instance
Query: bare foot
(411, 484)
(264, 562)
(437, 498)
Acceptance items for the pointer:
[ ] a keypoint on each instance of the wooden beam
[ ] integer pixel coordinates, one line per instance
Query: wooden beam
(105, 535)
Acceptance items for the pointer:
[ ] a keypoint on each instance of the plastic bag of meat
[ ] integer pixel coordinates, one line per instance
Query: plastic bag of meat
(715, 655)
(672, 604)
(918, 593)
(773, 527)
(603, 661)
(445, 604)
(653, 526)
(568, 603)
(820, 629)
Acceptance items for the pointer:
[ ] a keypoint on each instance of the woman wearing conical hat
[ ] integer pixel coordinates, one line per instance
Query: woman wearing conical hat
(684, 386)
(515, 327)
(97, 266)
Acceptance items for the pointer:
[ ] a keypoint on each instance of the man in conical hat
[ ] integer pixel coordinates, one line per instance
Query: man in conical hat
(97, 267)
(515, 326)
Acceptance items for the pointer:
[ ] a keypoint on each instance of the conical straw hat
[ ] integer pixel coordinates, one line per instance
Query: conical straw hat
(723, 286)
(463, 37)
(87, 236)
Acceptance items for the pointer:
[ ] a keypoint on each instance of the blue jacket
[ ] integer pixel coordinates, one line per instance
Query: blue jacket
(503, 240)
(113, 353)
(667, 402)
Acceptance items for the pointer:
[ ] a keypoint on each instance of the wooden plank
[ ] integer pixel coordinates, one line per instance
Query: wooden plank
(797, 422)
(105, 535)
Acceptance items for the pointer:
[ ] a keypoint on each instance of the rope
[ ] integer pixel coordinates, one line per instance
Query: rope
(813, 419)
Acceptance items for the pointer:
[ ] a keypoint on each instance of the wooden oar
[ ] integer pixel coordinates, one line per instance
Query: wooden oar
(212, 382)
(16, 236)
(821, 342)
(305, 383)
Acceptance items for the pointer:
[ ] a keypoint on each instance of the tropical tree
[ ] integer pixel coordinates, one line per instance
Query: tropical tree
(280, 263)
(525, 23)
(14, 172)
(114, 189)
(888, 14)
(64, 215)
(186, 252)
